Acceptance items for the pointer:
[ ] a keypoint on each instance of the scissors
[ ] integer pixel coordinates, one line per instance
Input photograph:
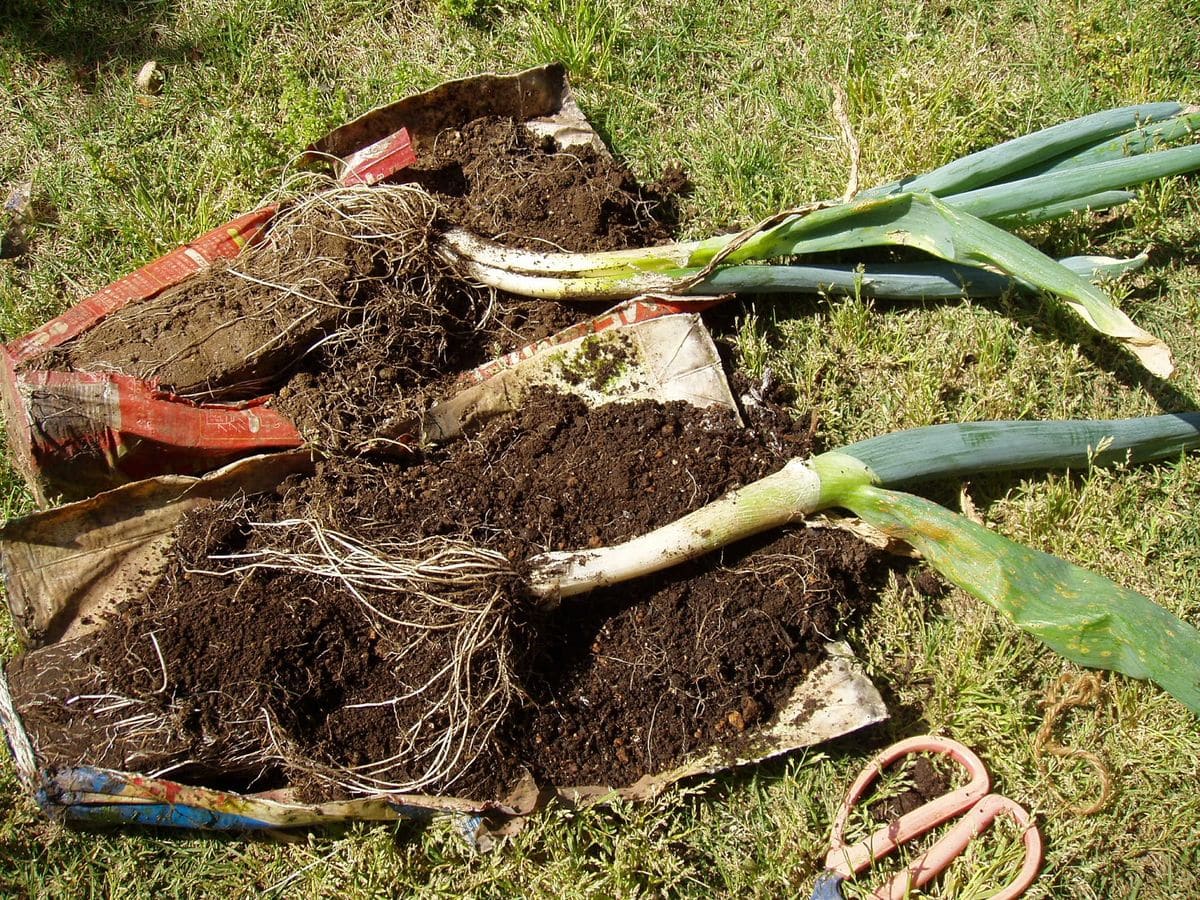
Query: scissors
(974, 802)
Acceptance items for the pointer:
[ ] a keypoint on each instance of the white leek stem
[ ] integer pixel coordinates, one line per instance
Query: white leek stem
(491, 253)
(557, 287)
(789, 494)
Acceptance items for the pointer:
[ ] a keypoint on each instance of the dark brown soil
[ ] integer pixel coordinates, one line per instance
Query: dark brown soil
(611, 685)
(632, 679)
(342, 394)
(498, 179)
(928, 779)
(555, 475)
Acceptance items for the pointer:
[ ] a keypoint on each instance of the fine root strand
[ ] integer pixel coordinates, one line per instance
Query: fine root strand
(433, 599)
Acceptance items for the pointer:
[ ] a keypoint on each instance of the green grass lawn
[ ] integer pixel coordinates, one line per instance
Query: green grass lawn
(739, 96)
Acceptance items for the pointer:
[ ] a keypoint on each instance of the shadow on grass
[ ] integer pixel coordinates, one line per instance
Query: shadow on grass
(1052, 321)
(1181, 252)
(88, 33)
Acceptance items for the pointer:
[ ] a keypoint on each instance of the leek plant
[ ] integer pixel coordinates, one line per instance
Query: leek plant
(1081, 615)
(957, 213)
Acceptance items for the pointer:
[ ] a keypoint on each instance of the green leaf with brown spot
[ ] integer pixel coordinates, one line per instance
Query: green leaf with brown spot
(1078, 614)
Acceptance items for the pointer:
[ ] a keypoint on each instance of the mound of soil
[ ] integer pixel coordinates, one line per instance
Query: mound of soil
(636, 678)
(230, 669)
(396, 360)
(321, 313)
(274, 675)
(498, 179)
(926, 779)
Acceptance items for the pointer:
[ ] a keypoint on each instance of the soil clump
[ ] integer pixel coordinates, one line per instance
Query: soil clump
(925, 781)
(272, 676)
(498, 179)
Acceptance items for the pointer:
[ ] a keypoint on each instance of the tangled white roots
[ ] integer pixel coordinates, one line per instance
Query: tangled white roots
(434, 600)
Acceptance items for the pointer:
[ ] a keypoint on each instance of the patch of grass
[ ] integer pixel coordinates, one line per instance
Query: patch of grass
(743, 102)
(584, 36)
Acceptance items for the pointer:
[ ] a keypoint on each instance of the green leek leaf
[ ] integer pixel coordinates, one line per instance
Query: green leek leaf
(927, 223)
(924, 280)
(968, 448)
(1014, 197)
(1078, 614)
(1090, 203)
(1132, 143)
(994, 163)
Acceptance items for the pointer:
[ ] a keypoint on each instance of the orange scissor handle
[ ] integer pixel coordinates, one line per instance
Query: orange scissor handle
(976, 820)
(849, 860)
(973, 802)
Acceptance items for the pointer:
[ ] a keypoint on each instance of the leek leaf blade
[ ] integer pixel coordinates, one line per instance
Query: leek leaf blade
(1051, 189)
(1077, 613)
(1011, 157)
(963, 449)
(929, 224)
(1146, 139)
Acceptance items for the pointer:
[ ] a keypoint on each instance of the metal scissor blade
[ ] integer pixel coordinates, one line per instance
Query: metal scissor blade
(828, 887)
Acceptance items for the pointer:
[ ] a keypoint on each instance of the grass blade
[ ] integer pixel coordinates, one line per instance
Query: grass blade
(1078, 614)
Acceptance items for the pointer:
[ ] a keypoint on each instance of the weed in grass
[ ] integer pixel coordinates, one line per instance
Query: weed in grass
(584, 36)
(308, 109)
(752, 342)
